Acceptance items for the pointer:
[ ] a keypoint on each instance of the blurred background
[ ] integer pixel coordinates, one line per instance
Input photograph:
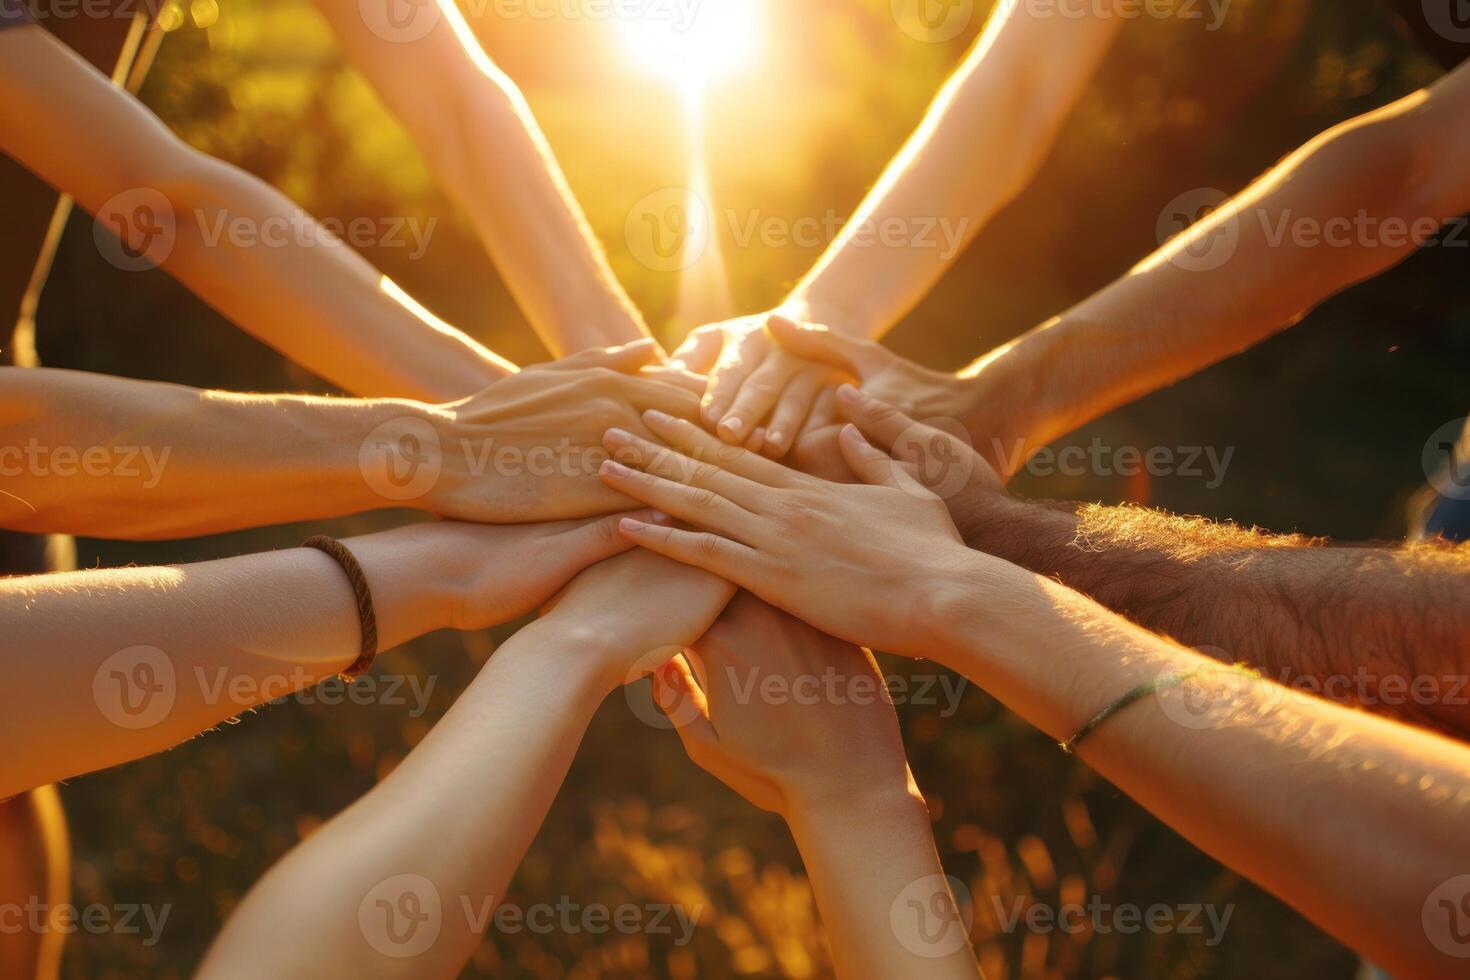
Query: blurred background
(1327, 423)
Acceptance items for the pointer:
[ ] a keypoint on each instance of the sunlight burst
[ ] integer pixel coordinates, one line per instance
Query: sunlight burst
(693, 43)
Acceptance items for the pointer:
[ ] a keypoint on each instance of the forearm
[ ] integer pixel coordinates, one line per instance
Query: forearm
(103, 667)
(115, 458)
(483, 779)
(978, 146)
(484, 146)
(1384, 628)
(884, 899)
(312, 297)
(1349, 205)
(1307, 798)
(229, 237)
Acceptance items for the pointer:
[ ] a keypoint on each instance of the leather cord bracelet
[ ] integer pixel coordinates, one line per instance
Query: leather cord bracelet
(368, 619)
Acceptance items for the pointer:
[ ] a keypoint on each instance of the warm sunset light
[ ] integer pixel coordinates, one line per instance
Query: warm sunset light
(692, 44)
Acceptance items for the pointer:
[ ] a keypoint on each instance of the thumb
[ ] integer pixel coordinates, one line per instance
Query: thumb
(680, 698)
(626, 359)
(861, 358)
(872, 465)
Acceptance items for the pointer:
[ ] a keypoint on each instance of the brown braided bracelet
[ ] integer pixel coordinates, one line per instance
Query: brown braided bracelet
(364, 596)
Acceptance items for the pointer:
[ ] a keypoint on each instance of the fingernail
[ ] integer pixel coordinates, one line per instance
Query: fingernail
(848, 393)
(679, 364)
(655, 416)
(776, 438)
(613, 466)
(618, 435)
(659, 517)
(733, 426)
(631, 526)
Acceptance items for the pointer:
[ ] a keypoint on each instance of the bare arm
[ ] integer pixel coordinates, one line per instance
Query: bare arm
(89, 454)
(1306, 797)
(1387, 628)
(482, 142)
(304, 293)
(824, 751)
(103, 667)
(1352, 203)
(979, 145)
(442, 835)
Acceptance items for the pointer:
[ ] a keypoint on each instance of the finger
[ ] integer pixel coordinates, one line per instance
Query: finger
(792, 410)
(644, 394)
(691, 440)
(818, 343)
(741, 356)
(650, 457)
(589, 542)
(728, 559)
(699, 351)
(756, 397)
(676, 376)
(823, 414)
(879, 421)
(757, 439)
(871, 465)
(704, 508)
(624, 359)
(681, 700)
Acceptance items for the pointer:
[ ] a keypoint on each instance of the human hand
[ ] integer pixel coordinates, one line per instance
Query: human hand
(912, 388)
(527, 448)
(858, 561)
(759, 395)
(636, 611)
(830, 734)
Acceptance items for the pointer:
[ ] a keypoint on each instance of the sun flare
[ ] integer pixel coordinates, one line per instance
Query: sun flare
(691, 44)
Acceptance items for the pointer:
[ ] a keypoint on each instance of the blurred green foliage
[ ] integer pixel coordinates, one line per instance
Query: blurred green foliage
(1327, 422)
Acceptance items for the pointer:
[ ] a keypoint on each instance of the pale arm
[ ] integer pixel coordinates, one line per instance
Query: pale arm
(1307, 798)
(455, 819)
(107, 666)
(310, 297)
(479, 137)
(979, 145)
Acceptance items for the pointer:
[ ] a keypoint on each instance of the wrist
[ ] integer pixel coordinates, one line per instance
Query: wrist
(845, 317)
(881, 805)
(590, 652)
(405, 574)
(394, 453)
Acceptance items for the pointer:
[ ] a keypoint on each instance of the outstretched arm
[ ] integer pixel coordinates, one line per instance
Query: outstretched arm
(479, 137)
(377, 891)
(108, 457)
(826, 754)
(978, 146)
(1352, 203)
(294, 287)
(107, 666)
(1306, 797)
(1383, 627)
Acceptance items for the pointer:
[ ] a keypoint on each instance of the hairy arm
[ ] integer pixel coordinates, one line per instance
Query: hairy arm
(1386, 628)
(311, 297)
(1352, 203)
(482, 142)
(979, 145)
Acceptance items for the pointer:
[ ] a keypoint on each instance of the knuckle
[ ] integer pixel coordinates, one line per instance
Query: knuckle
(703, 498)
(707, 545)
